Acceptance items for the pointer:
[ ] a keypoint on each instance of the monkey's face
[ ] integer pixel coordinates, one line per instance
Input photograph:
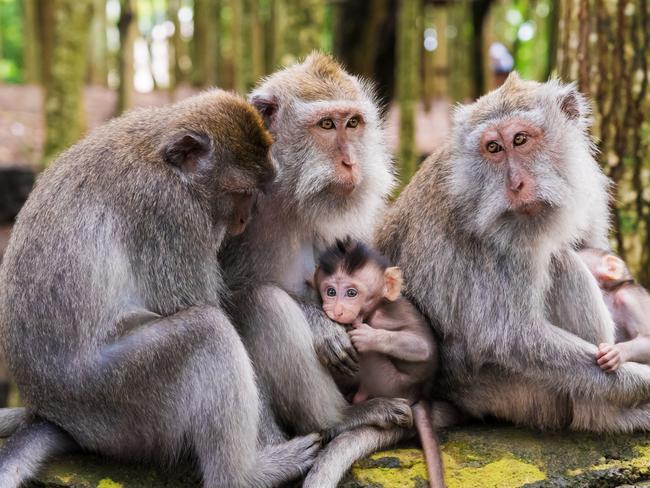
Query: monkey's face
(346, 297)
(522, 162)
(224, 156)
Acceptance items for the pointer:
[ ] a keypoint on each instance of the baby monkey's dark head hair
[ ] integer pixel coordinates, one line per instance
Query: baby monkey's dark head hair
(350, 255)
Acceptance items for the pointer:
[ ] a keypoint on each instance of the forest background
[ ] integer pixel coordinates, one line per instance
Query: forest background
(67, 66)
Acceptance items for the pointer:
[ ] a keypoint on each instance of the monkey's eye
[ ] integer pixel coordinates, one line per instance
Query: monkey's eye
(326, 124)
(493, 147)
(351, 293)
(353, 122)
(520, 138)
(331, 292)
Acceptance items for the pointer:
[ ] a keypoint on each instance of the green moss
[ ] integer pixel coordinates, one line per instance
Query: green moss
(504, 473)
(109, 483)
(393, 469)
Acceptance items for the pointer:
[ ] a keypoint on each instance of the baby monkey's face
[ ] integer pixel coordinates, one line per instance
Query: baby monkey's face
(347, 297)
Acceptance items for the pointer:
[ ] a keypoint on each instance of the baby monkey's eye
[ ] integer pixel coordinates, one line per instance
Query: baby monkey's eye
(326, 124)
(520, 138)
(331, 292)
(493, 147)
(351, 292)
(353, 122)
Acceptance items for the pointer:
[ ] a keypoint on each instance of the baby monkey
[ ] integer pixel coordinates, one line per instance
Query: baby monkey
(397, 351)
(628, 303)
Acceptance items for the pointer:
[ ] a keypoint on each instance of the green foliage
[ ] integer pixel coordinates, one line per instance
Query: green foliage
(11, 42)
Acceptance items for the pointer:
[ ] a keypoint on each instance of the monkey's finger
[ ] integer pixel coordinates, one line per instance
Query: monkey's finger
(344, 358)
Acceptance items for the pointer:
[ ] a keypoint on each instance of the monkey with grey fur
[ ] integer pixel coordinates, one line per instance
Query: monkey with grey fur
(485, 236)
(111, 300)
(335, 175)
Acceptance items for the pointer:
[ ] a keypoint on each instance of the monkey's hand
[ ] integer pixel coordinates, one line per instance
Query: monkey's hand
(331, 342)
(609, 357)
(365, 338)
(335, 350)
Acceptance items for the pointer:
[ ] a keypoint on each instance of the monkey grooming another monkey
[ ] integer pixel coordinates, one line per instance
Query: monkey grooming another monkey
(629, 304)
(397, 351)
(111, 299)
(485, 234)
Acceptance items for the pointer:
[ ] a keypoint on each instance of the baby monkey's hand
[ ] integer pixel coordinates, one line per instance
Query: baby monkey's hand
(608, 357)
(365, 338)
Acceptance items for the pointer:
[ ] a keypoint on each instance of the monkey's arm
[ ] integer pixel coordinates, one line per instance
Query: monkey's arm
(331, 341)
(400, 344)
(553, 354)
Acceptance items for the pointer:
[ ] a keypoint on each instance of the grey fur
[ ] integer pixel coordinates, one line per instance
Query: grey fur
(111, 300)
(517, 311)
(290, 340)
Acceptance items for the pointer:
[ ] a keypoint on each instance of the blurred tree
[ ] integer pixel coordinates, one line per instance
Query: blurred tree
(409, 35)
(479, 11)
(128, 29)
(97, 59)
(205, 42)
(31, 43)
(175, 45)
(369, 50)
(605, 45)
(64, 88)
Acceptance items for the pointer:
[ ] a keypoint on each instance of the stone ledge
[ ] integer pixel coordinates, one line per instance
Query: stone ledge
(481, 456)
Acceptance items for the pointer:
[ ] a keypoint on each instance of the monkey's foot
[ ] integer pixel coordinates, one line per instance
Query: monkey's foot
(383, 413)
(293, 458)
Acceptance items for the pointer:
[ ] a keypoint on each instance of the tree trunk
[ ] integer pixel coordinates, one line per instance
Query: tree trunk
(64, 89)
(128, 28)
(480, 9)
(31, 42)
(605, 45)
(97, 63)
(408, 82)
(45, 31)
(204, 43)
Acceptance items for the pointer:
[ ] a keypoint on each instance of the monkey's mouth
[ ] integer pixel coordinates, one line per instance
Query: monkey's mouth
(529, 209)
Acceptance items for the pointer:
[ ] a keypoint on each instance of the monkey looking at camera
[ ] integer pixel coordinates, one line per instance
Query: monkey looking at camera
(485, 236)
(111, 299)
(629, 304)
(397, 351)
(335, 175)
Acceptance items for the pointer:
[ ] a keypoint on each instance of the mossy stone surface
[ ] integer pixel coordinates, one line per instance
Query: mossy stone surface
(479, 456)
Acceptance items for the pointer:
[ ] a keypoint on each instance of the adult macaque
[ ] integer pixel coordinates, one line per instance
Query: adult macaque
(629, 304)
(111, 299)
(397, 351)
(335, 177)
(484, 235)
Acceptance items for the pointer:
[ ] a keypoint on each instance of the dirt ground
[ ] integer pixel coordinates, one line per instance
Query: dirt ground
(22, 130)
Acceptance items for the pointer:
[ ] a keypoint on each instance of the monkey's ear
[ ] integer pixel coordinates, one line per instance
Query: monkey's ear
(311, 282)
(392, 283)
(187, 151)
(614, 268)
(266, 105)
(572, 103)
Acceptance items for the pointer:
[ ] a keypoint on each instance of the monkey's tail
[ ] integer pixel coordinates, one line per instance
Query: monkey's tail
(430, 444)
(26, 451)
(11, 419)
(339, 455)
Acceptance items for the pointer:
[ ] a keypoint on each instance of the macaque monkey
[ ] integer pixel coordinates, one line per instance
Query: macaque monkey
(397, 351)
(335, 175)
(485, 234)
(111, 300)
(629, 304)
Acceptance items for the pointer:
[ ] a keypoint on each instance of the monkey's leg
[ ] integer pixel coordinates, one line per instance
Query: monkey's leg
(303, 393)
(209, 389)
(25, 451)
(595, 415)
(340, 454)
